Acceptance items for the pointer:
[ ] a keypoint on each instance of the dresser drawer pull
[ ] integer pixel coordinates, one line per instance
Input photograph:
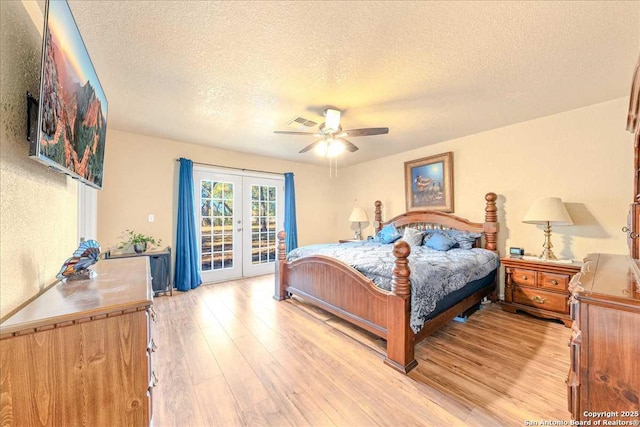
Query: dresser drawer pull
(554, 282)
(524, 277)
(152, 347)
(154, 380)
(153, 313)
(538, 299)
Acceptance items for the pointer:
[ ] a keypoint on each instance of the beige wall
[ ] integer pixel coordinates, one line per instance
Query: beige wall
(141, 179)
(38, 207)
(583, 156)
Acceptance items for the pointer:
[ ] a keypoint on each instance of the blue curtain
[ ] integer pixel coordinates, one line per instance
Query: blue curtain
(187, 275)
(290, 226)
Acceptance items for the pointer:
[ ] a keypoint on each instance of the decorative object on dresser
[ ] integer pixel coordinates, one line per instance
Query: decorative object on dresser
(633, 125)
(604, 377)
(160, 268)
(77, 267)
(548, 211)
(538, 288)
(81, 353)
(345, 292)
(358, 215)
(428, 183)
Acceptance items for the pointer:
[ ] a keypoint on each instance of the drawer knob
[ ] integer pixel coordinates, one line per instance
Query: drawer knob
(554, 282)
(152, 346)
(524, 277)
(539, 300)
(153, 313)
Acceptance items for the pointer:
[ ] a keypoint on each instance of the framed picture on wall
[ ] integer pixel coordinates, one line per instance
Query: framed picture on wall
(429, 183)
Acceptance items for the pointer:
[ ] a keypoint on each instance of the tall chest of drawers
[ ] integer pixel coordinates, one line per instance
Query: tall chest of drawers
(605, 342)
(81, 352)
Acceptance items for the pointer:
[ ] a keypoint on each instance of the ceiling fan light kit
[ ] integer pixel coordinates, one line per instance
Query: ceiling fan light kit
(333, 143)
(329, 147)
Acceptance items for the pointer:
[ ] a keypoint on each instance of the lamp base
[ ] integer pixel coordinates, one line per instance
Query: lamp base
(547, 253)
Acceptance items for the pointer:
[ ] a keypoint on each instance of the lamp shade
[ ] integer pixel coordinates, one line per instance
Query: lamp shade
(358, 215)
(548, 209)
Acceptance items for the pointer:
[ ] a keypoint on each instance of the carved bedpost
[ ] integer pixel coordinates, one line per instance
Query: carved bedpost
(491, 222)
(281, 254)
(400, 284)
(377, 221)
(400, 337)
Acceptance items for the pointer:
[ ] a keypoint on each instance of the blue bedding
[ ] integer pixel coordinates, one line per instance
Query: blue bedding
(434, 274)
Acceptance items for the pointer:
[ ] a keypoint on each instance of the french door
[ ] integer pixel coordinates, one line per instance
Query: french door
(238, 218)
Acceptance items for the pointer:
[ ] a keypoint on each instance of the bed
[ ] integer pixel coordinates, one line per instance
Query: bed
(345, 292)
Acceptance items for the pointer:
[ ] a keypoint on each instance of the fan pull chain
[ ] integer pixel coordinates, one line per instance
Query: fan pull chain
(333, 167)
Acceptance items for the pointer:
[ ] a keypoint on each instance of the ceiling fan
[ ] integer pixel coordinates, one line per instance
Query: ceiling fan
(333, 140)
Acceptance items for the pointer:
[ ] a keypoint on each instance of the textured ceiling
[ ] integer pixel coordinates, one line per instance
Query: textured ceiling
(226, 74)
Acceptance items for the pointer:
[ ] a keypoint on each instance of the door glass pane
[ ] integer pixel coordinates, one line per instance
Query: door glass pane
(216, 225)
(263, 221)
(206, 189)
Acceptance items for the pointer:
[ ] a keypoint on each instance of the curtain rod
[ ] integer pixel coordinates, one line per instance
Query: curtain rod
(238, 169)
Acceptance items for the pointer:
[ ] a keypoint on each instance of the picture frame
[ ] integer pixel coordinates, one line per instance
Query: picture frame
(429, 183)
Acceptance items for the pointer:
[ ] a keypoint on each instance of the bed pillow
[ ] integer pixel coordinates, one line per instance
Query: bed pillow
(464, 239)
(412, 236)
(440, 242)
(388, 234)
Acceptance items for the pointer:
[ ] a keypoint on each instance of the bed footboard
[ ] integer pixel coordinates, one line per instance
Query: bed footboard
(346, 293)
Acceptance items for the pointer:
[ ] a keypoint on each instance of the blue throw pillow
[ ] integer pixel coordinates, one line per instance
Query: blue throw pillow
(440, 242)
(388, 234)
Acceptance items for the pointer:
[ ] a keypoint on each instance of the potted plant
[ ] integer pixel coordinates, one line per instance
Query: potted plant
(139, 241)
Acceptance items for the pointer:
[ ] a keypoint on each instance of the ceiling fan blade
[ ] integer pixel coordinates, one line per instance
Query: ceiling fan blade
(366, 131)
(310, 146)
(288, 132)
(349, 146)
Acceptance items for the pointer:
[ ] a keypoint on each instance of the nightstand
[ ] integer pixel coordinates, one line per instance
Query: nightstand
(539, 288)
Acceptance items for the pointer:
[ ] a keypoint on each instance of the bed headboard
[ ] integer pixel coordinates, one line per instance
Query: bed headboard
(434, 220)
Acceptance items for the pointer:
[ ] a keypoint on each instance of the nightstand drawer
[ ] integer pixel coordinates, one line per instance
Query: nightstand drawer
(523, 277)
(558, 282)
(541, 299)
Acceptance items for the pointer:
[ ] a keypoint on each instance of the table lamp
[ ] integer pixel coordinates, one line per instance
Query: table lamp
(548, 211)
(358, 215)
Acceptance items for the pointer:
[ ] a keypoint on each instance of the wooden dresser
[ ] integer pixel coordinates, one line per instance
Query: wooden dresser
(605, 340)
(539, 288)
(81, 352)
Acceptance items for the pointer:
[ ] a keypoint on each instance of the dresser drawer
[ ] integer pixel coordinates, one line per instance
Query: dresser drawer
(523, 277)
(541, 299)
(558, 282)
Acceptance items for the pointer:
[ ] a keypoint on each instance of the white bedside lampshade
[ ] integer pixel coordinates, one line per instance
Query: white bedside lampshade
(358, 215)
(548, 211)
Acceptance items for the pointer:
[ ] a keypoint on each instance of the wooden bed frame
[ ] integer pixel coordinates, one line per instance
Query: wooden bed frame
(345, 292)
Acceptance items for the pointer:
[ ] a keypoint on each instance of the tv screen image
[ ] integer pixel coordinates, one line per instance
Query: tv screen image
(72, 114)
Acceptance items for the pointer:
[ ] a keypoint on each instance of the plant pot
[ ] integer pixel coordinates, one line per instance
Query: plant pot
(140, 247)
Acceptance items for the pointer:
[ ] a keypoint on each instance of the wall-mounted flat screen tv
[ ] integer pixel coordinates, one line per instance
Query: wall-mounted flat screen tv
(72, 113)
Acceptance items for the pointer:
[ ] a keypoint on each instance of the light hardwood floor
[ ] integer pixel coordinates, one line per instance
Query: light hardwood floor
(231, 355)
